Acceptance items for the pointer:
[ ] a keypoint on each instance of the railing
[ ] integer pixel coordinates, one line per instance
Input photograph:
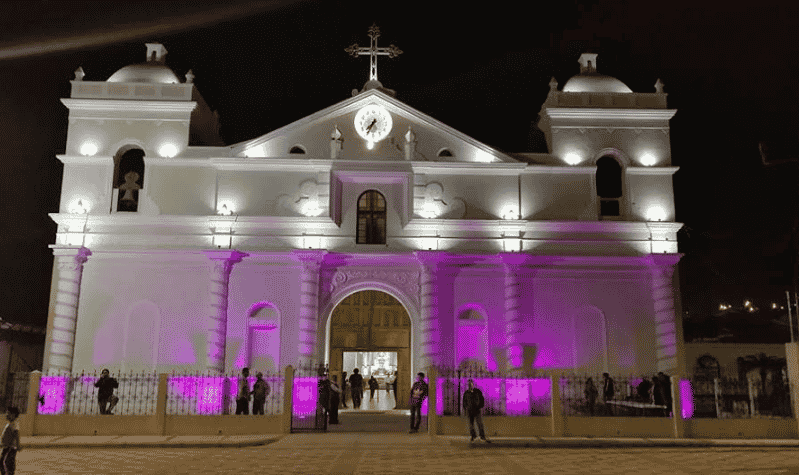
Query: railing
(16, 392)
(632, 396)
(62, 393)
(729, 398)
(195, 394)
(504, 394)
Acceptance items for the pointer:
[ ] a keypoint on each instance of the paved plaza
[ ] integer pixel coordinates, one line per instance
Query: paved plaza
(385, 453)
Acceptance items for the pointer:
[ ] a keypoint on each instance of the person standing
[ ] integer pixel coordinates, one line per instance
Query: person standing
(356, 385)
(389, 382)
(335, 391)
(607, 392)
(10, 442)
(259, 392)
(106, 385)
(473, 403)
(590, 395)
(243, 394)
(344, 389)
(394, 388)
(418, 395)
(373, 386)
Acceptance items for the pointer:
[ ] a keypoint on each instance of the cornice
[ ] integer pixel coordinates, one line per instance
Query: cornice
(563, 170)
(584, 113)
(651, 170)
(468, 168)
(129, 105)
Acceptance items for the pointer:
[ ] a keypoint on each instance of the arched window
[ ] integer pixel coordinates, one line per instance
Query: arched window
(371, 218)
(128, 179)
(608, 186)
(444, 153)
(297, 150)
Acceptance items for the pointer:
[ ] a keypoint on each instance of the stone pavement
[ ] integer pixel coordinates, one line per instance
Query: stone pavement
(394, 453)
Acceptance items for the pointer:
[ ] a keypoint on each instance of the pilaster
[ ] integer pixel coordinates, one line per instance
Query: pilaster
(70, 262)
(512, 265)
(222, 262)
(669, 345)
(431, 263)
(311, 261)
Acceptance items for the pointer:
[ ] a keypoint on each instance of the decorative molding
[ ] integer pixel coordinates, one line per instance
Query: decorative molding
(431, 201)
(408, 281)
(109, 105)
(308, 197)
(651, 170)
(612, 114)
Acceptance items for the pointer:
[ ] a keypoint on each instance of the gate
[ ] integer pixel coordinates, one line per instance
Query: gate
(309, 399)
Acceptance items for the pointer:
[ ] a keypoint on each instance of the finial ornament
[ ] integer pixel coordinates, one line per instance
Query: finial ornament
(336, 133)
(659, 86)
(373, 51)
(79, 74)
(190, 77)
(553, 85)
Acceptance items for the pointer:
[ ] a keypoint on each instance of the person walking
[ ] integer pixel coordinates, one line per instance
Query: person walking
(356, 385)
(394, 388)
(608, 392)
(10, 442)
(473, 403)
(259, 392)
(418, 395)
(106, 385)
(243, 394)
(389, 382)
(335, 392)
(373, 386)
(591, 394)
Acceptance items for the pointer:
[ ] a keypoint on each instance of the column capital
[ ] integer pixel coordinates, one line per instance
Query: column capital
(663, 261)
(430, 260)
(514, 259)
(223, 260)
(70, 257)
(309, 257)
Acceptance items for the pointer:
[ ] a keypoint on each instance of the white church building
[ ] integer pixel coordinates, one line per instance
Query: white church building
(368, 233)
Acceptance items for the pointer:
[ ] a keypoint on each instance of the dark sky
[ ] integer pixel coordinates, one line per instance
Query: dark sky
(731, 71)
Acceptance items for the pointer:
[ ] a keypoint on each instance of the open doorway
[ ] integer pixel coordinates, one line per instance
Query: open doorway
(382, 365)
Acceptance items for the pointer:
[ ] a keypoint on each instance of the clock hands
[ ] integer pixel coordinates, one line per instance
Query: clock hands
(369, 129)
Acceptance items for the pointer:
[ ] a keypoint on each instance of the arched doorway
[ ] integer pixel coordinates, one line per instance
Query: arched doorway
(371, 330)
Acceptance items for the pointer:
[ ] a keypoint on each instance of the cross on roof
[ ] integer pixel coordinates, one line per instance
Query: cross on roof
(373, 51)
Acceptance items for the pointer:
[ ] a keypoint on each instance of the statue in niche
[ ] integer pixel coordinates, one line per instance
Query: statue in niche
(129, 201)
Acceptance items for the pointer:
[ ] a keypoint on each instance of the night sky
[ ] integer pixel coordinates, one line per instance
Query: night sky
(729, 70)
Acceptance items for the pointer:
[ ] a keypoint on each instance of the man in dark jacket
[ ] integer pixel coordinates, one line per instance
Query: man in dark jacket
(607, 392)
(418, 395)
(356, 383)
(107, 384)
(473, 403)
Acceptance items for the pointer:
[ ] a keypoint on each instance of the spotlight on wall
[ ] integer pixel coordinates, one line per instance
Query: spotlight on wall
(572, 158)
(509, 212)
(655, 213)
(168, 150)
(224, 210)
(648, 159)
(88, 149)
(78, 207)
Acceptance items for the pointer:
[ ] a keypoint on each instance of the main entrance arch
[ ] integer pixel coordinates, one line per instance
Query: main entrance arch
(371, 330)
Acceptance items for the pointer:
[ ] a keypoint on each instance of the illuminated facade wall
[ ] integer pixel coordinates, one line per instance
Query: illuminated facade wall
(236, 256)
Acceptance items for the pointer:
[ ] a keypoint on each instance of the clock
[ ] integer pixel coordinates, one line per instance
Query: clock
(373, 123)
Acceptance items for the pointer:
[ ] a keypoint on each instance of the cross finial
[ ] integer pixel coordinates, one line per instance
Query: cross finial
(373, 51)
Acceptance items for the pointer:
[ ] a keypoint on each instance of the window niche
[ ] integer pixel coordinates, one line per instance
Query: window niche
(128, 180)
(371, 218)
(609, 187)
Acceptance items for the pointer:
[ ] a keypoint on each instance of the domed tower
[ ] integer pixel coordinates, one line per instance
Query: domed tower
(141, 116)
(597, 121)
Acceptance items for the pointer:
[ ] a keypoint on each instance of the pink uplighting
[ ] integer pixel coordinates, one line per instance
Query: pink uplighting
(686, 399)
(305, 396)
(53, 388)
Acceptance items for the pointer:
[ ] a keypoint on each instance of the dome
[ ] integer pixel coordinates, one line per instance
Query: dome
(591, 81)
(595, 83)
(151, 72)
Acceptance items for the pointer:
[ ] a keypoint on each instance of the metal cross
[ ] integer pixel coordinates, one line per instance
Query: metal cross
(373, 51)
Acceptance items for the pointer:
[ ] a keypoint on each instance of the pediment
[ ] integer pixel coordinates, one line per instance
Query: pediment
(330, 134)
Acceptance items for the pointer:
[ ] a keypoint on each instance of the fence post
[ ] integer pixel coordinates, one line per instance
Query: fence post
(676, 407)
(792, 359)
(27, 426)
(432, 395)
(160, 405)
(556, 412)
(288, 398)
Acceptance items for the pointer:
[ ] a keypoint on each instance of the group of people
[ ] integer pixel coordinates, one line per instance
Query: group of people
(260, 390)
(657, 392)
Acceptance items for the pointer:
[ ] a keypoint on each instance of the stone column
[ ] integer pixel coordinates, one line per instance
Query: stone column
(430, 294)
(70, 262)
(669, 347)
(308, 320)
(221, 263)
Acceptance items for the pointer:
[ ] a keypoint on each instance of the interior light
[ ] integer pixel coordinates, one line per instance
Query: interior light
(88, 149)
(572, 158)
(168, 150)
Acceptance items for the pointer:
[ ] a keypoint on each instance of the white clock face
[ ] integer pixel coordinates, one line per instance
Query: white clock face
(373, 123)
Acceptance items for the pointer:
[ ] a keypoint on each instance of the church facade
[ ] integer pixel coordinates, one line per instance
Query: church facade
(368, 230)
